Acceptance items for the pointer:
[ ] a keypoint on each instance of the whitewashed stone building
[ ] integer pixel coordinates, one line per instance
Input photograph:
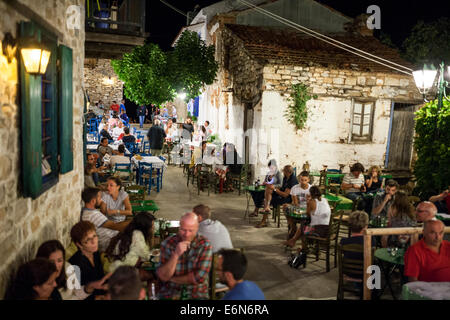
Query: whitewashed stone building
(363, 111)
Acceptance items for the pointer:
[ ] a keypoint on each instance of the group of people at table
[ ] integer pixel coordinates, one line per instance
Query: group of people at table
(109, 250)
(426, 260)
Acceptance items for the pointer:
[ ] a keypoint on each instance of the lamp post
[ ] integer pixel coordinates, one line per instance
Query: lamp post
(425, 80)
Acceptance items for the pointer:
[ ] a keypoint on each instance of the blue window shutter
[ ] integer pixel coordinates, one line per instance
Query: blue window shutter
(66, 108)
(31, 135)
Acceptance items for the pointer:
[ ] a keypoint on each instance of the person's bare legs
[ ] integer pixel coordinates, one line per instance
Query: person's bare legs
(291, 242)
(267, 198)
(263, 222)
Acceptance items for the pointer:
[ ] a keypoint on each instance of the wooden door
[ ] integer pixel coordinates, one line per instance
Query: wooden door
(401, 136)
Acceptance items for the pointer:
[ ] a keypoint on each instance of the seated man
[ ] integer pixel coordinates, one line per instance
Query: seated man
(442, 201)
(212, 230)
(120, 158)
(281, 195)
(429, 259)
(106, 229)
(118, 131)
(299, 194)
(185, 262)
(104, 133)
(425, 211)
(125, 284)
(232, 265)
(353, 183)
(384, 199)
(127, 137)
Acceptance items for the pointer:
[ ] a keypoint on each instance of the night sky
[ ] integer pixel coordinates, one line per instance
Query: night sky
(397, 16)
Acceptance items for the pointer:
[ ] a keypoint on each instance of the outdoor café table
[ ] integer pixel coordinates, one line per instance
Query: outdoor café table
(420, 290)
(247, 190)
(388, 263)
(343, 202)
(144, 205)
(299, 215)
(114, 146)
(156, 162)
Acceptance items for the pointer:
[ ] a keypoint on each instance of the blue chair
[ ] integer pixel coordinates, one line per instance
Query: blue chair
(147, 178)
(132, 147)
(133, 131)
(146, 146)
(93, 125)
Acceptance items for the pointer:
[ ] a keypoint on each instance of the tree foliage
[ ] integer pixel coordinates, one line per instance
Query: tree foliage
(153, 76)
(428, 42)
(432, 144)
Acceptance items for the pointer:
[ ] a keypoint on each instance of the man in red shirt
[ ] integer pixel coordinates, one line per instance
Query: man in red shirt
(429, 259)
(115, 107)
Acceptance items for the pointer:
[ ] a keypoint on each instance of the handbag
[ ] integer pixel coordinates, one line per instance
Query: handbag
(297, 260)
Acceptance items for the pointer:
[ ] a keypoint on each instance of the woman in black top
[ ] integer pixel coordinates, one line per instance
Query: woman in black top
(35, 280)
(373, 181)
(87, 258)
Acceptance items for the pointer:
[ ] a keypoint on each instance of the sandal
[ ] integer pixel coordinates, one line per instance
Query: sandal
(261, 225)
(253, 214)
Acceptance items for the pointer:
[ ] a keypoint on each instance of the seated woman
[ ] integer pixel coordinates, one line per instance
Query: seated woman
(115, 202)
(54, 251)
(278, 196)
(35, 280)
(273, 177)
(400, 214)
(130, 247)
(87, 258)
(320, 212)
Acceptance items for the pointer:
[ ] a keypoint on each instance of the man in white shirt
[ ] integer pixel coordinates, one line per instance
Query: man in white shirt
(106, 229)
(299, 193)
(117, 131)
(212, 230)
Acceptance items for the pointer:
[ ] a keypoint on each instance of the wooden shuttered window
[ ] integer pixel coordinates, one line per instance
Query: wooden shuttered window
(42, 116)
(66, 108)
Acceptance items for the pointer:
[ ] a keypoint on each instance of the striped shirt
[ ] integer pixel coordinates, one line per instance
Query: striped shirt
(349, 178)
(118, 204)
(98, 219)
(196, 260)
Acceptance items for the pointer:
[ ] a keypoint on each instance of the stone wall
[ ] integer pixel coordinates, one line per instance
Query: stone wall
(26, 223)
(101, 82)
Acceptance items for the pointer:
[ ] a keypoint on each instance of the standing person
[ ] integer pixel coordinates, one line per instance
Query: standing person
(115, 107)
(54, 251)
(122, 107)
(185, 262)
(87, 258)
(188, 129)
(156, 137)
(35, 280)
(213, 230)
(383, 200)
(231, 266)
(142, 112)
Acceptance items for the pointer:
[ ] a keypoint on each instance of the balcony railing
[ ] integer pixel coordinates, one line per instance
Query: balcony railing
(116, 16)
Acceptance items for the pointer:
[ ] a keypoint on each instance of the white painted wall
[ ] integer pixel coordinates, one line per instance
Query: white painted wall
(320, 142)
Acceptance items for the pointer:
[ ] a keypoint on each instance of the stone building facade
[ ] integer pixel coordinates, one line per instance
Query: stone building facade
(26, 223)
(259, 65)
(101, 82)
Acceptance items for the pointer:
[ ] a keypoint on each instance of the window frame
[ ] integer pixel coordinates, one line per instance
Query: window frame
(362, 138)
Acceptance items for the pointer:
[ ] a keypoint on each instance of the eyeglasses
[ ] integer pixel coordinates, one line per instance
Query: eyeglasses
(90, 239)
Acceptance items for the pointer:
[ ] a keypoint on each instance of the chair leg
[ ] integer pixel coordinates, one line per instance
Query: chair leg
(317, 250)
(328, 258)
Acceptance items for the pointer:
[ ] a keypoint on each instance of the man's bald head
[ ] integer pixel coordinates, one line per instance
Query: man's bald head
(188, 226)
(433, 232)
(425, 211)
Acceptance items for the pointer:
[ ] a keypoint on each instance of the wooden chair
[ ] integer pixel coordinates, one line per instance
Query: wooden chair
(325, 245)
(136, 192)
(241, 179)
(348, 267)
(124, 171)
(204, 177)
(214, 290)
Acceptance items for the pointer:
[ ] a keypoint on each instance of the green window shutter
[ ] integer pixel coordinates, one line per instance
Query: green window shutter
(65, 108)
(30, 88)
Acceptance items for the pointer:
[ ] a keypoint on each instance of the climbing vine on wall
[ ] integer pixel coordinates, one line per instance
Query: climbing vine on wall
(297, 113)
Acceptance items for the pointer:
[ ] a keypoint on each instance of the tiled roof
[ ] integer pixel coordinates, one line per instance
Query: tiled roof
(291, 47)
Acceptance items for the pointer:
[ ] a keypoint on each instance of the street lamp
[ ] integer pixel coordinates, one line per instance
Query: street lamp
(425, 80)
(35, 56)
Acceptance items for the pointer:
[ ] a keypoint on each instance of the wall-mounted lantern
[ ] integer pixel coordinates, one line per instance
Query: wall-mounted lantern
(35, 56)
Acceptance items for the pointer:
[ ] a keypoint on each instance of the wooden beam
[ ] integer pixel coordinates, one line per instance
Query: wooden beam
(114, 38)
(368, 233)
(33, 16)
